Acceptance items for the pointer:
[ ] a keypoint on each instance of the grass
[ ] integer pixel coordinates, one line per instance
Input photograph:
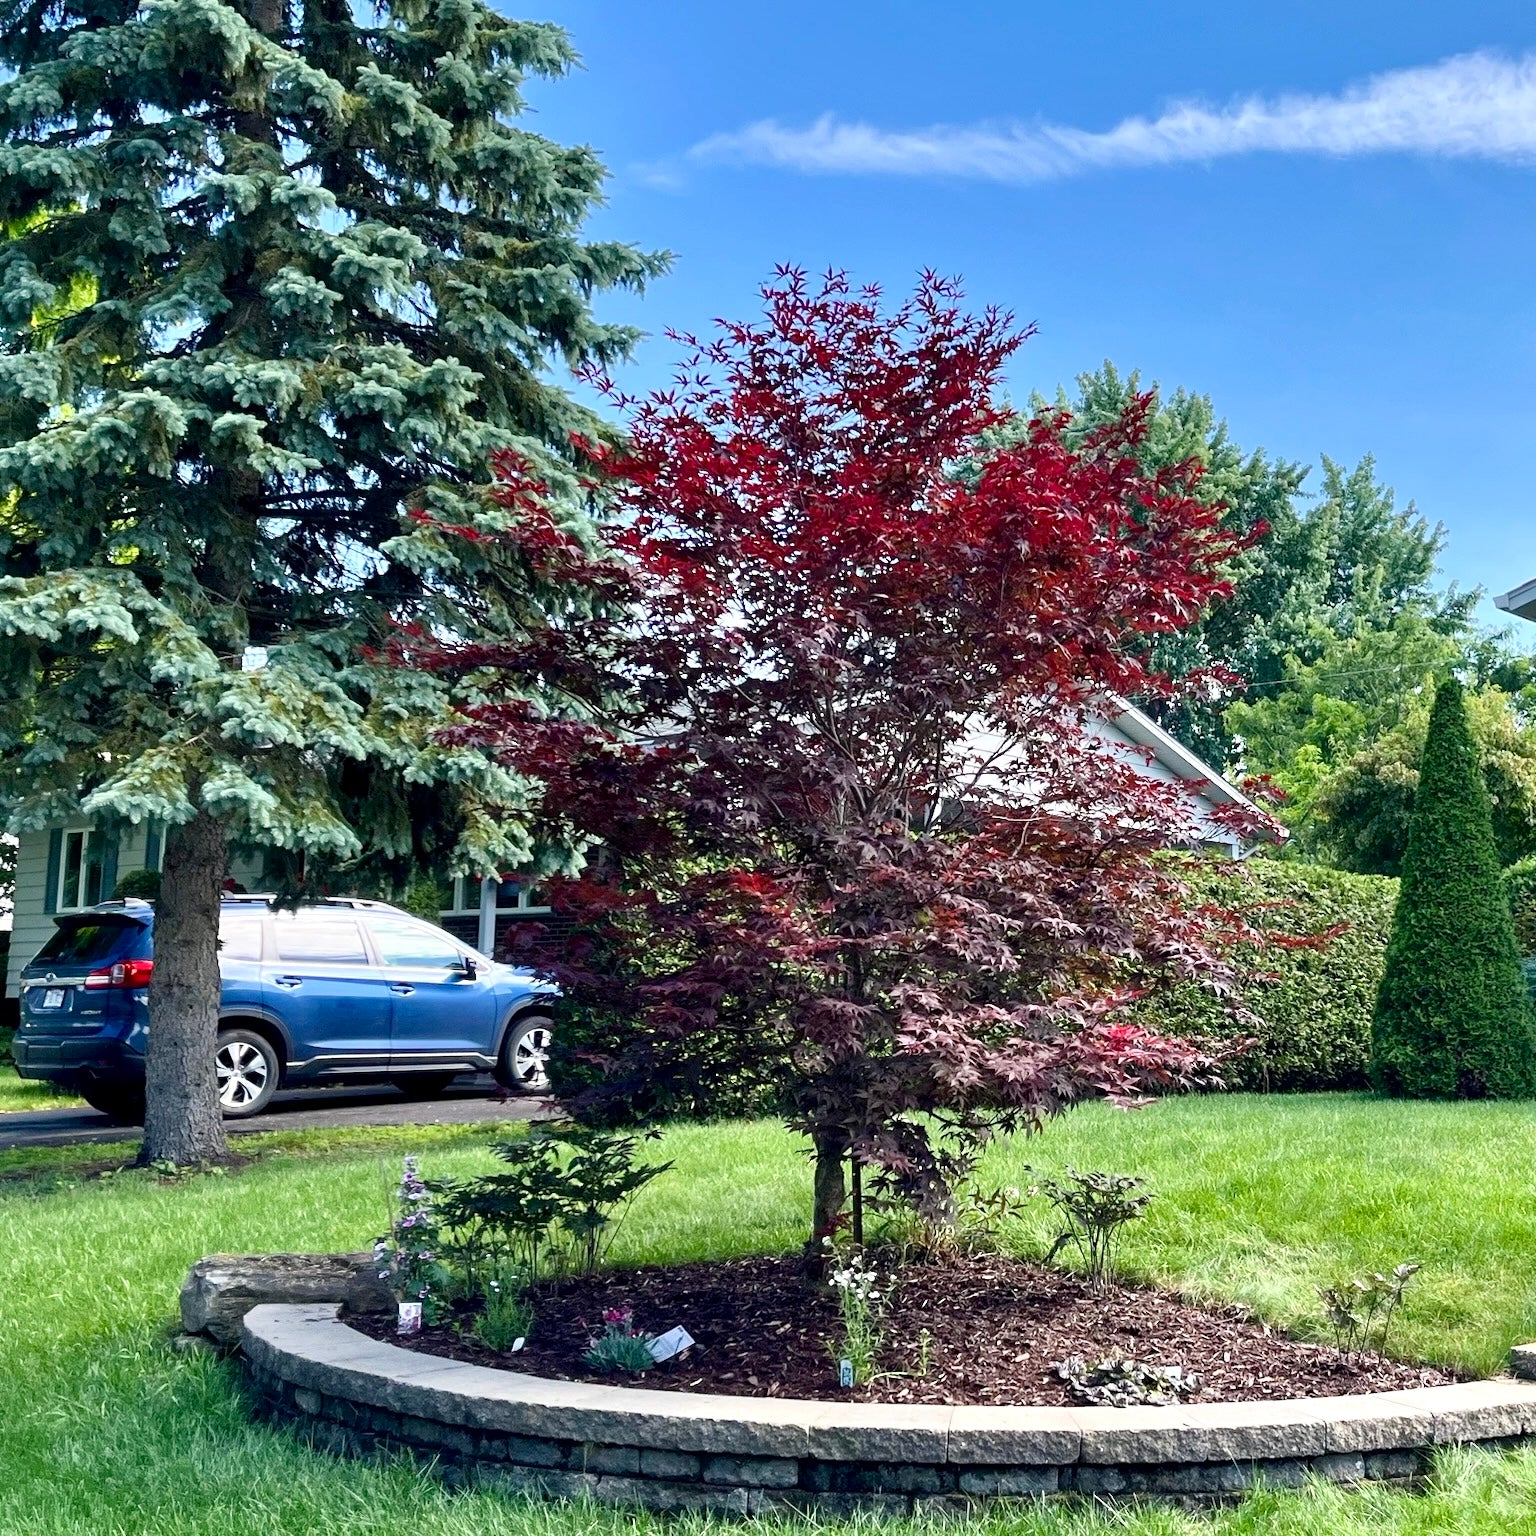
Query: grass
(108, 1431)
(25, 1093)
(1260, 1200)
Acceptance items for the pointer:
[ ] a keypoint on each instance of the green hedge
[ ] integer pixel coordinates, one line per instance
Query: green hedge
(1314, 1004)
(1520, 888)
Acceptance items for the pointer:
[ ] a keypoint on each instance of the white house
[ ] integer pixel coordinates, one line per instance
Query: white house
(1521, 601)
(78, 864)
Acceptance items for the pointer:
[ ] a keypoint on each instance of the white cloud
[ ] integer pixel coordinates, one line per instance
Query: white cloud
(1477, 105)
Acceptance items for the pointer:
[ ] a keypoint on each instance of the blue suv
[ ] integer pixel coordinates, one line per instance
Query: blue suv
(342, 991)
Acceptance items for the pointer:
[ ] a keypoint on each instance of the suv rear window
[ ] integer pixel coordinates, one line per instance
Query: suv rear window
(85, 941)
(239, 936)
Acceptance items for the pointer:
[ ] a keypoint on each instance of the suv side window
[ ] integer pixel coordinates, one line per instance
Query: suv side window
(414, 944)
(318, 937)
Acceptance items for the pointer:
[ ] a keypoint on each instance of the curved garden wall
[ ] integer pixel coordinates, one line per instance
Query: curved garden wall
(670, 1450)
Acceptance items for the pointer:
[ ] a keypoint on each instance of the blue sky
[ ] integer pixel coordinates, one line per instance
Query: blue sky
(1324, 216)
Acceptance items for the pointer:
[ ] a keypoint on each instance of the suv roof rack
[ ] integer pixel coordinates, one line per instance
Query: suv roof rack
(266, 898)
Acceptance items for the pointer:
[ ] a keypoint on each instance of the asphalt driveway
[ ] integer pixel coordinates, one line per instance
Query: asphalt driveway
(467, 1102)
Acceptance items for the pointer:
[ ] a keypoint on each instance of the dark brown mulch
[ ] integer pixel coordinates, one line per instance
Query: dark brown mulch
(997, 1327)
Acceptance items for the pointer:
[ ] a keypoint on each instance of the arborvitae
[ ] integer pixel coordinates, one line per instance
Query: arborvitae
(1452, 1018)
(278, 278)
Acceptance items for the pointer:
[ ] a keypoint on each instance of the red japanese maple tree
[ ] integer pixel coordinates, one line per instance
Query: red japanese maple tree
(839, 747)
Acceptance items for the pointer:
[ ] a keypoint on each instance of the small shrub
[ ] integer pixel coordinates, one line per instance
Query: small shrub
(1096, 1207)
(1117, 1381)
(986, 1218)
(555, 1210)
(977, 1221)
(141, 883)
(620, 1347)
(600, 1179)
(862, 1296)
(409, 1255)
(422, 897)
(1360, 1311)
(506, 1311)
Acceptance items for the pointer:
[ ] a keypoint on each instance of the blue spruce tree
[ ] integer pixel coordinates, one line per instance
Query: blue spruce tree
(277, 279)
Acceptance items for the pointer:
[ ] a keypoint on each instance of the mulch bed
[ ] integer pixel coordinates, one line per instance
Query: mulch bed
(997, 1327)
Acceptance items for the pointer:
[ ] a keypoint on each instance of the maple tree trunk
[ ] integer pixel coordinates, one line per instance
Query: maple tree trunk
(830, 1186)
(182, 1120)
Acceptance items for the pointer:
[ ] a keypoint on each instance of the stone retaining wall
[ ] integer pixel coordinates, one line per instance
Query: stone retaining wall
(676, 1450)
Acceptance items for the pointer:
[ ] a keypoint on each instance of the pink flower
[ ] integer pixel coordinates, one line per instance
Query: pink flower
(618, 1317)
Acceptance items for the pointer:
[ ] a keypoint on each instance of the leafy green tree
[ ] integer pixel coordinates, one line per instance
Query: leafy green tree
(1346, 566)
(1452, 1018)
(1364, 810)
(1356, 687)
(281, 280)
(1312, 721)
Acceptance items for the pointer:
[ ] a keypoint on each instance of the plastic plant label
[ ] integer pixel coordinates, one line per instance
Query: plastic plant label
(517, 1344)
(845, 1373)
(410, 1317)
(672, 1342)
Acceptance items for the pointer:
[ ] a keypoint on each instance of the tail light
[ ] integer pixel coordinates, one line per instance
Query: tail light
(126, 973)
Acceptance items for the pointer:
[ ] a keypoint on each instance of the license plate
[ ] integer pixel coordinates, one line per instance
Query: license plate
(53, 997)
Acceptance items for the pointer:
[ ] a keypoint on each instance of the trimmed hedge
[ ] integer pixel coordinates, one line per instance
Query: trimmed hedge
(1520, 888)
(1314, 1004)
(1452, 1017)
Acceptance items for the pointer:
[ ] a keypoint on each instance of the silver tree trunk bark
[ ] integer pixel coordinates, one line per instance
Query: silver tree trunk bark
(182, 1121)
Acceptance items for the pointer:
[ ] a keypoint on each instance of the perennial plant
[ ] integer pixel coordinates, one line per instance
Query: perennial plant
(409, 1256)
(862, 1297)
(621, 1346)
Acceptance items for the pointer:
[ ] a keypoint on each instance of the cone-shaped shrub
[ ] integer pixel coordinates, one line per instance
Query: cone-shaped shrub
(1452, 1019)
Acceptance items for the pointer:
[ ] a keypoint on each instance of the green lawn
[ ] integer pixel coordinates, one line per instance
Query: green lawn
(19, 1093)
(106, 1430)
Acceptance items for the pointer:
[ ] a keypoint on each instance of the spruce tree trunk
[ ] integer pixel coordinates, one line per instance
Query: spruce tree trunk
(182, 1120)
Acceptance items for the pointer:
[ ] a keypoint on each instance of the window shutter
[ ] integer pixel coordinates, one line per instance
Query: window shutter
(152, 844)
(55, 854)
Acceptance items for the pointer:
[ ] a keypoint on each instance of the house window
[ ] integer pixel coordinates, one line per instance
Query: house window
(80, 871)
(461, 896)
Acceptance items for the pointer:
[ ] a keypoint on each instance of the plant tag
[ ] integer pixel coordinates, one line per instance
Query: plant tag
(673, 1342)
(517, 1344)
(410, 1317)
(845, 1373)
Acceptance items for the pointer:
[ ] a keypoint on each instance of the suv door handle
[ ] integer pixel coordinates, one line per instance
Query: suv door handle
(288, 981)
(404, 988)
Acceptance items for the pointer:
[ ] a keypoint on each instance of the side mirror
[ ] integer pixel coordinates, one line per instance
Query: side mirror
(471, 967)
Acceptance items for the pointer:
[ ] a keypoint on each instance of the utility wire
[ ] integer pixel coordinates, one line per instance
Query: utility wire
(1330, 677)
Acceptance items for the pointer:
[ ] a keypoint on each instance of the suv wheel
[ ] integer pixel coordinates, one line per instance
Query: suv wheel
(124, 1104)
(525, 1054)
(247, 1070)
